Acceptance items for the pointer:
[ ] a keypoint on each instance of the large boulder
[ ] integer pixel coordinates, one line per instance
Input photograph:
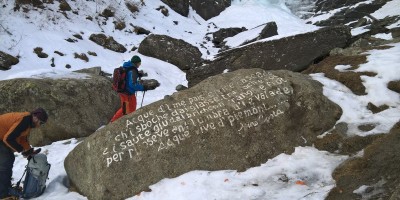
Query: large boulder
(7, 60)
(76, 106)
(293, 53)
(179, 6)
(171, 50)
(208, 9)
(231, 121)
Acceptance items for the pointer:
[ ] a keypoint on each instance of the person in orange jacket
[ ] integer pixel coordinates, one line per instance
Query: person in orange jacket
(14, 132)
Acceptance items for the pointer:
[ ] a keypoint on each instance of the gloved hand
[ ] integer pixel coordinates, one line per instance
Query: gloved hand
(141, 74)
(149, 87)
(150, 84)
(146, 87)
(30, 152)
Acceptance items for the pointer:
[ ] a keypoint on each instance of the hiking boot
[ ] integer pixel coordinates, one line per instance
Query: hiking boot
(10, 198)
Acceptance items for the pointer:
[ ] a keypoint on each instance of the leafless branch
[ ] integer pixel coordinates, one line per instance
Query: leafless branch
(8, 32)
(16, 43)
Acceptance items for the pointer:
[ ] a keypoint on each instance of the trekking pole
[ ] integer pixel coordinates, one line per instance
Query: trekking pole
(141, 105)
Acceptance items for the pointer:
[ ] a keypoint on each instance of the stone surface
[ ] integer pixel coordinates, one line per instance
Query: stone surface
(350, 79)
(270, 29)
(394, 86)
(179, 6)
(350, 10)
(338, 143)
(376, 169)
(107, 42)
(327, 5)
(208, 9)
(223, 33)
(231, 121)
(293, 53)
(76, 107)
(395, 32)
(171, 50)
(7, 60)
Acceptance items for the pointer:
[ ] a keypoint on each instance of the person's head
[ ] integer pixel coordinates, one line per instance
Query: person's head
(136, 60)
(39, 116)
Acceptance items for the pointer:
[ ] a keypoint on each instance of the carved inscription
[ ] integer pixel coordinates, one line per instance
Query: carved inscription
(241, 105)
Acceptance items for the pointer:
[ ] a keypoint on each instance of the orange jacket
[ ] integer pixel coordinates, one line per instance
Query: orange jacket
(15, 129)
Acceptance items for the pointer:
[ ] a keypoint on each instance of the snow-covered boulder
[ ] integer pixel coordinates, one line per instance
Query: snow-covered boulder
(293, 53)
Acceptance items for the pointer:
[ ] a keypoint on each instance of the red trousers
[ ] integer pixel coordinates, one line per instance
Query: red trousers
(128, 105)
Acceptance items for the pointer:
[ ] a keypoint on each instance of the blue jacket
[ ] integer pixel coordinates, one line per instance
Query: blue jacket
(132, 78)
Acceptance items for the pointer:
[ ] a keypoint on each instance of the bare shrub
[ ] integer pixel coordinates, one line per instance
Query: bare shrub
(163, 10)
(39, 52)
(108, 12)
(59, 53)
(64, 6)
(81, 56)
(92, 53)
(119, 25)
(133, 7)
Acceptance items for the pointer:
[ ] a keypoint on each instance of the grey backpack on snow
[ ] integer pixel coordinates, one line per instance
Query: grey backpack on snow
(34, 184)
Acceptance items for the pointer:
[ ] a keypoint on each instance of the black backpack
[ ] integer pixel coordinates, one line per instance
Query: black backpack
(119, 79)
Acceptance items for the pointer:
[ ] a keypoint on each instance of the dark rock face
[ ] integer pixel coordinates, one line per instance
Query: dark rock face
(270, 29)
(338, 143)
(231, 121)
(64, 6)
(220, 35)
(76, 107)
(375, 109)
(294, 53)
(140, 30)
(171, 50)
(377, 170)
(351, 79)
(208, 9)
(328, 5)
(395, 32)
(394, 86)
(179, 6)
(7, 60)
(24, 3)
(107, 42)
(347, 14)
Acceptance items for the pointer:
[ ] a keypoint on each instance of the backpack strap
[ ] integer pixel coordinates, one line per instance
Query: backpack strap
(19, 182)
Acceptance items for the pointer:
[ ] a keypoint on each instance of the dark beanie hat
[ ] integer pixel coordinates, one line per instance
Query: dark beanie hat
(135, 59)
(41, 114)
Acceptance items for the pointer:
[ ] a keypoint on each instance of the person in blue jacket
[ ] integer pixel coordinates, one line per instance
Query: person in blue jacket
(128, 99)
